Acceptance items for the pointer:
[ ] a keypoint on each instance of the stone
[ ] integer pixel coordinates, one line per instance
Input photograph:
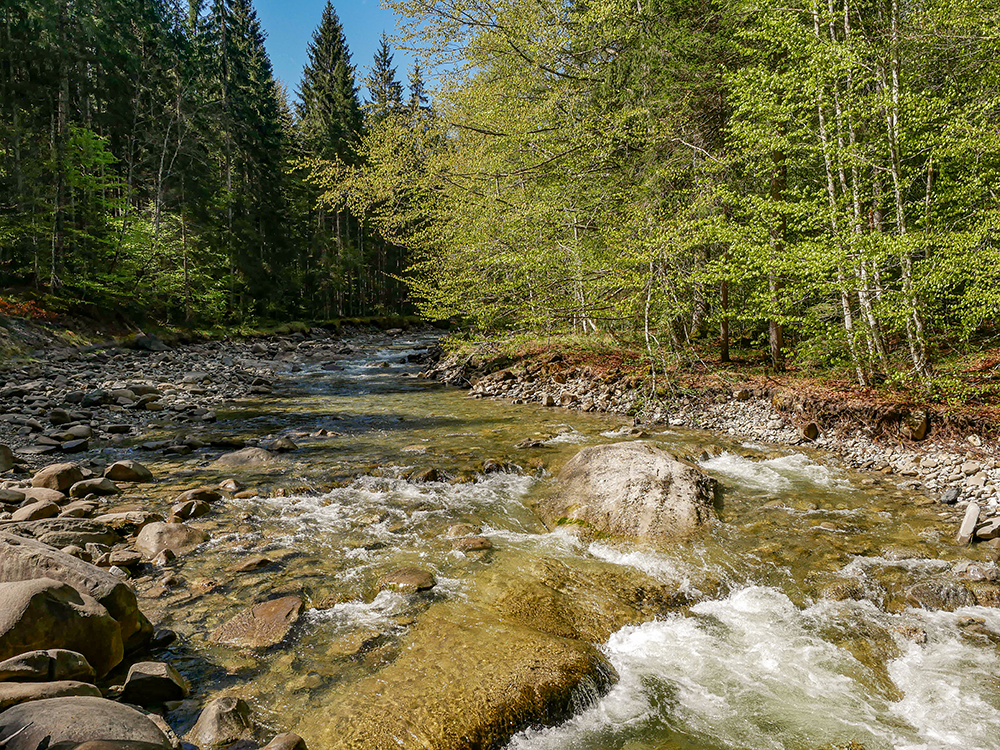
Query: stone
(251, 564)
(11, 496)
(472, 544)
(75, 720)
(915, 425)
(810, 431)
(461, 681)
(25, 559)
(94, 486)
(202, 494)
(36, 511)
(152, 682)
(14, 693)
(951, 495)
(262, 625)
(286, 741)
(943, 595)
(63, 532)
(425, 475)
(631, 489)
(989, 529)
(75, 446)
(968, 527)
(6, 458)
(223, 721)
(408, 580)
(48, 613)
(58, 476)
(283, 444)
(43, 494)
(177, 537)
(190, 509)
(548, 400)
(128, 522)
(54, 664)
(247, 458)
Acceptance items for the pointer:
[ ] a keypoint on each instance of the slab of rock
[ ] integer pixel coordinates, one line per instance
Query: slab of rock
(968, 527)
(26, 559)
(408, 580)
(43, 494)
(286, 741)
(631, 489)
(54, 664)
(462, 681)
(94, 486)
(190, 509)
(6, 458)
(11, 496)
(264, 624)
(58, 476)
(152, 682)
(81, 719)
(130, 521)
(990, 529)
(943, 595)
(128, 471)
(247, 458)
(48, 613)
(14, 693)
(202, 494)
(36, 511)
(223, 721)
(176, 537)
(64, 532)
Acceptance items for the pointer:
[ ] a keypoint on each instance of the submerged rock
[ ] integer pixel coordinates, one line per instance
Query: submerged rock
(463, 681)
(247, 458)
(631, 489)
(265, 624)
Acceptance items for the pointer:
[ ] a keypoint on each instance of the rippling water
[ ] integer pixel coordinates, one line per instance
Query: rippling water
(760, 661)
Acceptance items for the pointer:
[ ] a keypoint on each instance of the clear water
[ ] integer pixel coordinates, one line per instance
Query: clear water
(759, 660)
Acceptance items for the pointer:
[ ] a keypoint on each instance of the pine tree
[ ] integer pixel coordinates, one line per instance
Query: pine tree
(386, 91)
(418, 99)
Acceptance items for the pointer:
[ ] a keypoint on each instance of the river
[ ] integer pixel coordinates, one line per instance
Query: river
(762, 656)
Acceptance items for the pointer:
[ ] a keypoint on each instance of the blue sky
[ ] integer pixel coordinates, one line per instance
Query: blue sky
(290, 24)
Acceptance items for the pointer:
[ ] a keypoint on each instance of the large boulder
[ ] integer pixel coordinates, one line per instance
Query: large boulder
(152, 682)
(462, 680)
(55, 664)
(262, 625)
(222, 722)
(631, 489)
(14, 693)
(25, 559)
(47, 613)
(44, 723)
(58, 476)
(62, 532)
(176, 537)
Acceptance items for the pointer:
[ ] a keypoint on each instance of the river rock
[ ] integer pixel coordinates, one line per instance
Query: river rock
(128, 471)
(247, 458)
(6, 458)
(408, 580)
(201, 494)
(190, 509)
(43, 494)
(915, 425)
(968, 527)
(128, 522)
(94, 486)
(14, 693)
(177, 537)
(462, 680)
(943, 595)
(35, 511)
(631, 489)
(262, 625)
(152, 682)
(45, 612)
(45, 723)
(54, 664)
(58, 476)
(26, 559)
(223, 721)
(286, 741)
(64, 532)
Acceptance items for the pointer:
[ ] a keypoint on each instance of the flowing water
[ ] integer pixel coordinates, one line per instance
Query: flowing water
(759, 658)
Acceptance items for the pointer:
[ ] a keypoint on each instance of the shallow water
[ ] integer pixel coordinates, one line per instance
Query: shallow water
(760, 659)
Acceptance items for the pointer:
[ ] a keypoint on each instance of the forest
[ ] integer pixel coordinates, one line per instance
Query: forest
(813, 180)
(151, 163)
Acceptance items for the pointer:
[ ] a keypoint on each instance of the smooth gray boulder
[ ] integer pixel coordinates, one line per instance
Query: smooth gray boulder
(223, 721)
(128, 471)
(631, 489)
(25, 559)
(47, 613)
(152, 682)
(246, 458)
(15, 693)
(44, 723)
(176, 537)
(58, 476)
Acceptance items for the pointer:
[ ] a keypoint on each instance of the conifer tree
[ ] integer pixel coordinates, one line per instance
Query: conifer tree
(386, 91)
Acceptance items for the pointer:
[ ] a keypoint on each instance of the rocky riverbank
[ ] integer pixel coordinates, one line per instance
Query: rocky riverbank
(900, 442)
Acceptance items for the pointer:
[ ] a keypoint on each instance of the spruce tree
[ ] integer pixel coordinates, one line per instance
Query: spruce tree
(386, 91)
(418, 99)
